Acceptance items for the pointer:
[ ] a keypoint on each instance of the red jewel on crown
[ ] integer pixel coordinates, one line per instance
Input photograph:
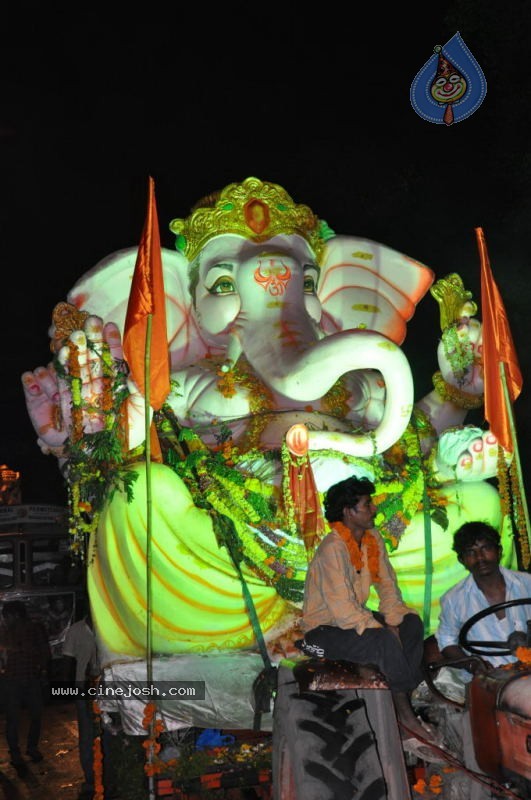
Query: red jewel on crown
(256, 215)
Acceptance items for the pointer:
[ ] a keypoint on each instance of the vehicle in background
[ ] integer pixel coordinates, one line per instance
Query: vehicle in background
(36, 566)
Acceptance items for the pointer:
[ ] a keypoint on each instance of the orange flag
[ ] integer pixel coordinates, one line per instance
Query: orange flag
(147, 298)
(498, 347)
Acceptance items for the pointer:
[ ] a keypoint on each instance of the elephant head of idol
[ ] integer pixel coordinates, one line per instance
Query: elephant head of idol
(260, 283)
(271, 283)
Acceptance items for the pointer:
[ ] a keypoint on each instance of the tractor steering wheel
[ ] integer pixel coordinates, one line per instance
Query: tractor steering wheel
(500, 647)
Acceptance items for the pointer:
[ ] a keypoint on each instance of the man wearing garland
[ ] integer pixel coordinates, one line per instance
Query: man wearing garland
(336, 622)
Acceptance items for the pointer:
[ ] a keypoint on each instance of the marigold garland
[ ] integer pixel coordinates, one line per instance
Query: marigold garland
(97, 755)
(288, 459)
(511, 503)
(523, 654)
(458, 397)
(74, 371)
(250, 506)
(459, 351)
(95, 461)
(97, 467)
(226, 488)
(335, 401)
(399, 480)
(427, 790)
(519, 516)
(356, 553)
(152, 746)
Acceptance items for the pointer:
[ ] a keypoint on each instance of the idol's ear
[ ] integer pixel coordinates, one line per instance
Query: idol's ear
(366, 285)
(104, 291)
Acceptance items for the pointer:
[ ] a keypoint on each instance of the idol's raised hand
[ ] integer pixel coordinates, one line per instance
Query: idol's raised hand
(460, 356)
(73, 395)
(467, 454)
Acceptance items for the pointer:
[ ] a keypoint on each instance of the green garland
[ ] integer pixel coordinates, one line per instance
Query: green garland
(459, 352)
(95, 465)
(246, 512)
(399, 484)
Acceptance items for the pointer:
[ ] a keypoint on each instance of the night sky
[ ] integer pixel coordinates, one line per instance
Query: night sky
(93, 104)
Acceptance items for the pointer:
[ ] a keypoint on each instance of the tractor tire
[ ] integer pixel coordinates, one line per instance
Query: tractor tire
(325, 746)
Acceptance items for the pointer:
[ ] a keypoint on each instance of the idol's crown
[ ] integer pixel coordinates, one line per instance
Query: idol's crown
(254, 209)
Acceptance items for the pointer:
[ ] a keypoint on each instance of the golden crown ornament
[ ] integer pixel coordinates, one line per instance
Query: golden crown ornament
(253, 209)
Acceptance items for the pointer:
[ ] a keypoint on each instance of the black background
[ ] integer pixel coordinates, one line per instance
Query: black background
(313, 98)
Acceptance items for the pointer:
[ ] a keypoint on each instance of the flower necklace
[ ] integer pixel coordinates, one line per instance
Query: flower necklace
(373, 553)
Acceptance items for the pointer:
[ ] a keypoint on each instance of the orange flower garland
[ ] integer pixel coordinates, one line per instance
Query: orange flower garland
(97, 756)
(74, 370)
(523, 654)
(373, 552)
(155, 727)
(434, 787)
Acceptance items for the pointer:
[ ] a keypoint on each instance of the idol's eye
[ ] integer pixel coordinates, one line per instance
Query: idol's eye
(453, 78)
(309, 285)
(440, 82)
(223, 285)
(311, 276)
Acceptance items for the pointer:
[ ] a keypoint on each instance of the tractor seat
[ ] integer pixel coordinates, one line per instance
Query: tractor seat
(315, 673)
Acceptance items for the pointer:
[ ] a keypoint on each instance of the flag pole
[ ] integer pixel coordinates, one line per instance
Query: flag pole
(522, 551)
(502, 378)
(145, 345)
(149, 632)
(149, 523)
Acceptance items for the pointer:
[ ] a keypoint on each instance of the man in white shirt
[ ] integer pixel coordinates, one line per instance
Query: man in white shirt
(80, 661)
(478, 548)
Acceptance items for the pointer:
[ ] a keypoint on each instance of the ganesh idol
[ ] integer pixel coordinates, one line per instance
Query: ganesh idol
(287, 375)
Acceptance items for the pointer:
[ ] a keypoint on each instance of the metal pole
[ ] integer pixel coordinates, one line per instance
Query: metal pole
(518, 465)
(149, 636)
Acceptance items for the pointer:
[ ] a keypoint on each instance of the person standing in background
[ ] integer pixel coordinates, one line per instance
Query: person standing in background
(25, 663)
(80, 664)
